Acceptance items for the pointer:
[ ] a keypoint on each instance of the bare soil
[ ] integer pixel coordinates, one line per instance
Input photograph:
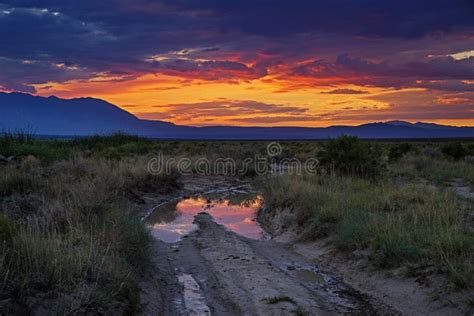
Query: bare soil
(240, 276)
(422, 294)
(215, 271)
(390, 292)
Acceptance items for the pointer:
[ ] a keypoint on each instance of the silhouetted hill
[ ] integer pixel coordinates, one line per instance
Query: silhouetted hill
(55, 116)
(89, 116)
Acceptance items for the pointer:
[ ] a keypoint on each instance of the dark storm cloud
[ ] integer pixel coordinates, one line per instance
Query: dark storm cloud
(448, 85)
(14, 73)
(441, 73)
(209, 69)
(403, 18)
(118, 36)
(432, 68)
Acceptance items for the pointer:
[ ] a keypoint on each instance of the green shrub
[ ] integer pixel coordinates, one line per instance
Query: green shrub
(470, 149)
(455, 150)
(349, 155)
(397, 151)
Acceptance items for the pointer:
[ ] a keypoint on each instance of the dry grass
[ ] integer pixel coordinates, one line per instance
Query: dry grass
(401, 224)
(434, 168)
(77, 248)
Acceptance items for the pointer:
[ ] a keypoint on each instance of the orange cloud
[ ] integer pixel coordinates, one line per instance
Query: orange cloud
(204, 92)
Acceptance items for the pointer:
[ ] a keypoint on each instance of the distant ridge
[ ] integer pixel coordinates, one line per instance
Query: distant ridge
(423, 125)
(90, 116)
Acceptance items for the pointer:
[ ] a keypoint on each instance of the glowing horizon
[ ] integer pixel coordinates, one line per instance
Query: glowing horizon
(221, 64)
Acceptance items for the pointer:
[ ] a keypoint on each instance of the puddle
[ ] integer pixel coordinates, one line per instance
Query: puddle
(236, 211)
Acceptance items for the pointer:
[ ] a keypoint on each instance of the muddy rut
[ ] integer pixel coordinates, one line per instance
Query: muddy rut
(214, 271)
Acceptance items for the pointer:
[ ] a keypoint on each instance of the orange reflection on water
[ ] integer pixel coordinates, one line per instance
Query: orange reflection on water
(238, 213)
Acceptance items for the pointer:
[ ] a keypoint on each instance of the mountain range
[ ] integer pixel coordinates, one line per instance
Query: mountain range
(52, 116)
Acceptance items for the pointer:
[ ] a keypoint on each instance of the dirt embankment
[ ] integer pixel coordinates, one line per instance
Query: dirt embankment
(388, 291)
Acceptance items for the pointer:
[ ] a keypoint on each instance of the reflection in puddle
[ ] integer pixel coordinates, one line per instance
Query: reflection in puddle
(237, 212)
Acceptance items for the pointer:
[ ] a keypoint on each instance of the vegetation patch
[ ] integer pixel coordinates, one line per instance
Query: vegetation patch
(77, 249)
(69, 243)
(400, 223)
(348, 155)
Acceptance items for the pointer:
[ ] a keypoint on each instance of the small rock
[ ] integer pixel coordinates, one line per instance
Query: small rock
(291, 268)
(3, 159)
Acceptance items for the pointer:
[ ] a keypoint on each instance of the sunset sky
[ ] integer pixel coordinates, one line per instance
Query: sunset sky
(248, 62)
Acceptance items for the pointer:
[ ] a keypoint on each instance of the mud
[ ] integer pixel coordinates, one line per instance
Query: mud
(241, 276)
(214, 270)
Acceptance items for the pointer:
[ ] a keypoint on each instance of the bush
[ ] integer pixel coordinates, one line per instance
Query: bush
(454, 150)
(350, 156)
(470, 149)
(397, 151)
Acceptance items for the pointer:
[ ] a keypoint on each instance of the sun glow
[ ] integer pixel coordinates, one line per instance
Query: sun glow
(154, 96)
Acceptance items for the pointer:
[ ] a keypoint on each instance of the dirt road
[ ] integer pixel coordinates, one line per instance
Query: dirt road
(215, 271)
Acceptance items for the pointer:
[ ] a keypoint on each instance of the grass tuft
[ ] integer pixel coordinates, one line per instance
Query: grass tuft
(77, 245)
(400, 223)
